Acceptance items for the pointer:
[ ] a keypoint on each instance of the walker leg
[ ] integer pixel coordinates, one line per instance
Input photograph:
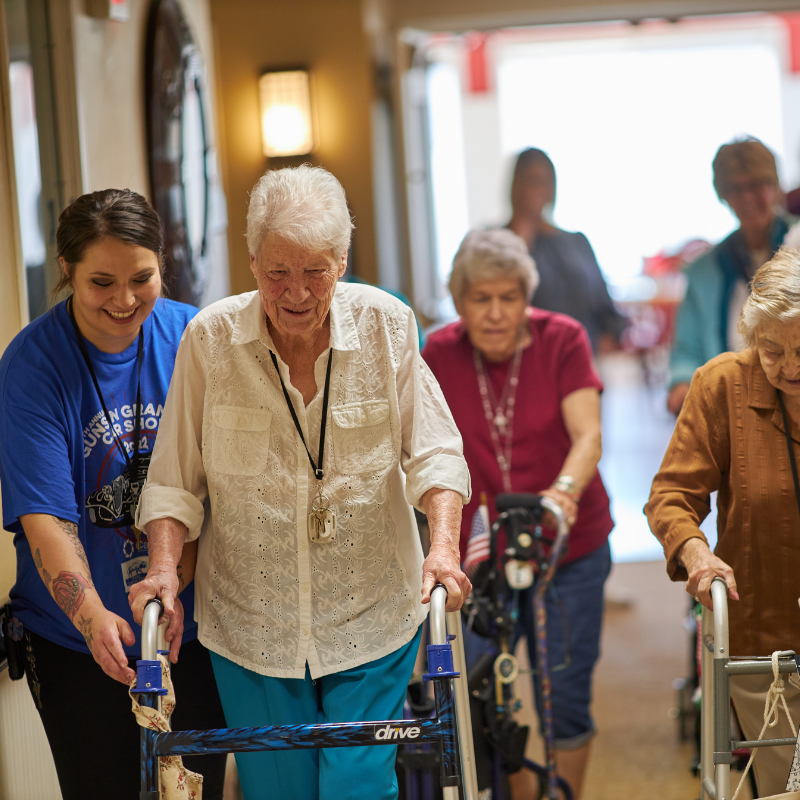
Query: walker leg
(707, 785)
(723, 781)
(149, 762)
(540, 619)
(449, 778)
(466, 749)
(721, 694)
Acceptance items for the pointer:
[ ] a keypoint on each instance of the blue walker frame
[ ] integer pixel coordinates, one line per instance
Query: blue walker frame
(450, 729)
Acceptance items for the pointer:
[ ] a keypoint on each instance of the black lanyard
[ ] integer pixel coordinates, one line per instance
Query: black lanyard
(318, 473)
(138, 423)
(791, 450)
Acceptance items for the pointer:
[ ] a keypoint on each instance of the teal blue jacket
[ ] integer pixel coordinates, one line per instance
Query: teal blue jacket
(702, 325)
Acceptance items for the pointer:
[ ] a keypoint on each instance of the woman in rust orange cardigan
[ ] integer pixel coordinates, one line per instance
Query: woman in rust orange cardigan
(731, 437)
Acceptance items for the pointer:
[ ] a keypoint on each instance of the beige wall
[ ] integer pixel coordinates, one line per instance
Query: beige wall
(109, 60)
(327, 36)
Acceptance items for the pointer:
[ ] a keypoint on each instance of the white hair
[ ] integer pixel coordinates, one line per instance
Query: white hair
(485, 255)
(305, 205)
(775, 294)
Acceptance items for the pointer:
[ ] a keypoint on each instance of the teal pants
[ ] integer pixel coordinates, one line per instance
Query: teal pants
(376, 690)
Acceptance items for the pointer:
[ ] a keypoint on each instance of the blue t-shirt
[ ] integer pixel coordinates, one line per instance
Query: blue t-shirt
(58, 456)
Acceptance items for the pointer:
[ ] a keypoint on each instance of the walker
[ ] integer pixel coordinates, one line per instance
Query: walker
(493, 605)
(450, 729)
(717, 668)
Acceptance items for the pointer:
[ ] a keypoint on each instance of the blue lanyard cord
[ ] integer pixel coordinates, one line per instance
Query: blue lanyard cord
(88, 360)
(318, 473)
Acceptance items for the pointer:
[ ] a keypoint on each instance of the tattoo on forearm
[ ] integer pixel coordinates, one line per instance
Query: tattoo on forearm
(69, 591)
(71, 529)
(37, 559)
(85, 626)
(181, 581)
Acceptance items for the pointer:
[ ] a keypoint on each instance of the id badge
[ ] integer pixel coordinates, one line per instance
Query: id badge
(134, 571)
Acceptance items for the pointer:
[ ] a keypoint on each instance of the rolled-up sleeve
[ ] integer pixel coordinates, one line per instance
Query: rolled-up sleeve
(432, 451)
(692, 469)
(176, 480)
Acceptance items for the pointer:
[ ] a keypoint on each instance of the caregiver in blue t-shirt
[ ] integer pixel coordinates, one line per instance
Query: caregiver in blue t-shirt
(82, 390)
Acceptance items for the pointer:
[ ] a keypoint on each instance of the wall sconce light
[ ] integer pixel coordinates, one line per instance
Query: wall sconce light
(287, 125)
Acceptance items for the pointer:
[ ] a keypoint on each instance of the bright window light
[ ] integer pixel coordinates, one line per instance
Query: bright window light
(632, 127)
(448, 176)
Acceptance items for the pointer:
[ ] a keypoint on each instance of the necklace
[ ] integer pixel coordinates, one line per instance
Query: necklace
(500, 414)
(322, 519)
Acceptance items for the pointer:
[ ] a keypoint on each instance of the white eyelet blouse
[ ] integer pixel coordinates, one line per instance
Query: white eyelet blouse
(228, 455)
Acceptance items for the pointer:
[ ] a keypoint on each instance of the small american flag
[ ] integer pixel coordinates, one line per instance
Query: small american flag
(478, 542)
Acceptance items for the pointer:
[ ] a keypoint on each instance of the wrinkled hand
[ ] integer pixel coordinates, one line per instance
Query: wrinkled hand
(164, 585)
(565, 502)
(703, 566)
(104, 633)
(443, 566)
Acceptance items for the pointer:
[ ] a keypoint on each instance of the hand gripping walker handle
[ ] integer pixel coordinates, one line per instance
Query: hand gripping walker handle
(558, 545)
(440, 653)
(148, 668)
(445, 626)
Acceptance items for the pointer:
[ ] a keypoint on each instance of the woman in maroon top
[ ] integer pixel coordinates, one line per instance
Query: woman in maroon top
(524, 393)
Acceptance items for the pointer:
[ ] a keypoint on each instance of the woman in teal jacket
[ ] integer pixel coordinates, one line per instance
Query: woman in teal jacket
(746, 178)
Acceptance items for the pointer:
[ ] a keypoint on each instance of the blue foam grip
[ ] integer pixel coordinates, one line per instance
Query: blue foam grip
(440, 662)
(148, 678)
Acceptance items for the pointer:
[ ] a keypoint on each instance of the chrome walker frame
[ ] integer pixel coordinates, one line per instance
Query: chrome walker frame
(717, 667)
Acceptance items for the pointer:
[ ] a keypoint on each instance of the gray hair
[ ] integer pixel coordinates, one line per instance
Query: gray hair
(305, 205)
(775, 293)
(484, 255)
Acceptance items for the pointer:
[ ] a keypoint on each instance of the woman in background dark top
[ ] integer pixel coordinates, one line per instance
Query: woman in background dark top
(570, 279)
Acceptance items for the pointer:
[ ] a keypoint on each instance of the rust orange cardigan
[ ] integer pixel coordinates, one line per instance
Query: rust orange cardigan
(730, 438)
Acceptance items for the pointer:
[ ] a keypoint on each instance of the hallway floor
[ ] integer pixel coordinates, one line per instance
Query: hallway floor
(637, 754)
(636, 431)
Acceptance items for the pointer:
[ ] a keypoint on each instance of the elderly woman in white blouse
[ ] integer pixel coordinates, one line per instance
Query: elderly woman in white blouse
(302, 419)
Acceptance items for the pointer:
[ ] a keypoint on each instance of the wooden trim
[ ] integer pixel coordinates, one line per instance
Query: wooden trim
(13, 289)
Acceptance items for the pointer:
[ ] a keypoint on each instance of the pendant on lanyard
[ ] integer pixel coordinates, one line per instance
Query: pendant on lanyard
(123, 513)
(322, 518)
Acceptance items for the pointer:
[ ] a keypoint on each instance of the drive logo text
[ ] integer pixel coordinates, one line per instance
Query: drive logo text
(391, 732)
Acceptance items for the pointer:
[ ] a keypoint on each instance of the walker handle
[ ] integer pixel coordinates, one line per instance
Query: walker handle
(719, 598)
(152, 612)
(438, 619)
(558, 545)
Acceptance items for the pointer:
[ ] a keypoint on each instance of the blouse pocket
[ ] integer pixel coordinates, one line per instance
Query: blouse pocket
(362, 437)
(240, 440)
